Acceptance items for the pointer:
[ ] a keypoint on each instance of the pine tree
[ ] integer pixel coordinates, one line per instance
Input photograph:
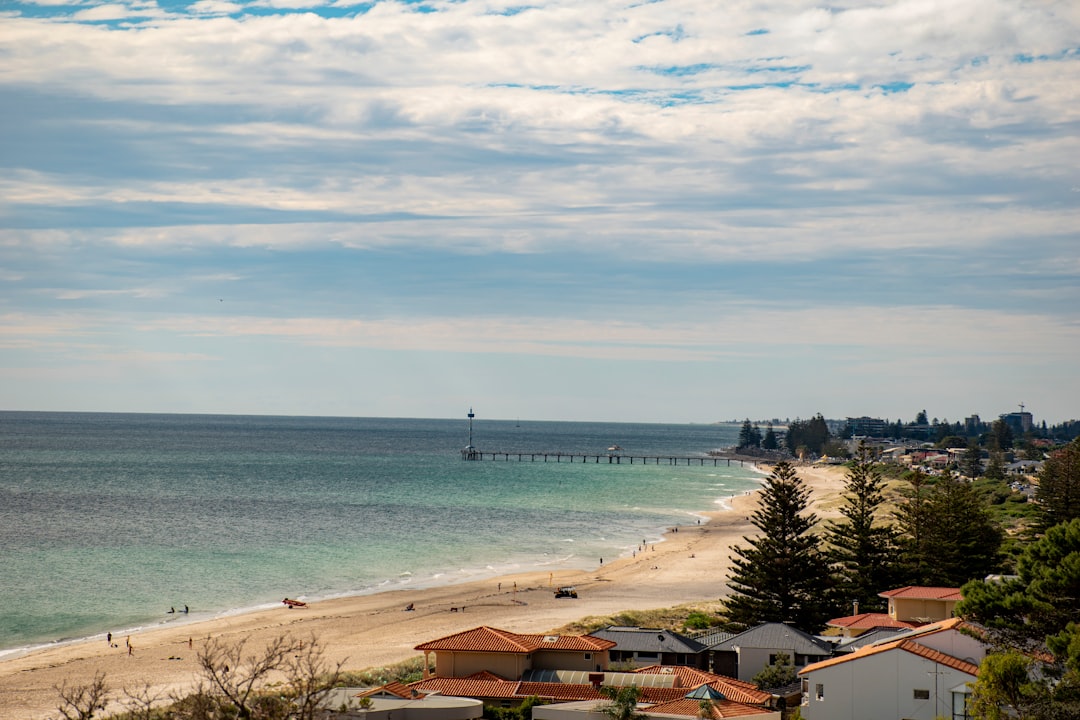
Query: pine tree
(861, 549)
(912, 523)
(746, 434)
(769, 442)
(779, 576)
(947, 535)
(1058, 492)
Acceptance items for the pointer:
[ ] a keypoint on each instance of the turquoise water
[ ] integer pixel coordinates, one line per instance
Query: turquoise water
(108, 520)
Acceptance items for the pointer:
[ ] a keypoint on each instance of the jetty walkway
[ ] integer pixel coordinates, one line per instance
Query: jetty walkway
(597, 458)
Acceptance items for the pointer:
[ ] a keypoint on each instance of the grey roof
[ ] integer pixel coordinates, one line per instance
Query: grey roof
(636, 639)
(705, 692)
(714, 638)
(777, 636)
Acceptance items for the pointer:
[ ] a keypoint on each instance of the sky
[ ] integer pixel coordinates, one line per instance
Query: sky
(669, 211)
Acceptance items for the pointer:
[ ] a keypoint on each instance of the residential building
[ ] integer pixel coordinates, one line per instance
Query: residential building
(921, 675)
(651, 646)
(746, 654)
(909, 607)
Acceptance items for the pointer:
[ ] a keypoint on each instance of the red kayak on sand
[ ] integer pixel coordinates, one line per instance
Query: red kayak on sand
(293, 603)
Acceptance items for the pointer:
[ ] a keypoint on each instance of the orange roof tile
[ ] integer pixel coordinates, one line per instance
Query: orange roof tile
(908, 643)
(489, 639)
(721, 709)
(466, 687)
(866, 621)
(916, 592)
(690, 678)
(393, 688)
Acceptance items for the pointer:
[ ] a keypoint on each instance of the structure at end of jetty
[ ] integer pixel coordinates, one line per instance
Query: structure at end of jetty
(469, 452)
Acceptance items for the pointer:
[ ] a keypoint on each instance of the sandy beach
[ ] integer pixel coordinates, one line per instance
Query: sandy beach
(372, 630)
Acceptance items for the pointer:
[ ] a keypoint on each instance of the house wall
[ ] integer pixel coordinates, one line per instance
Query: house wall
(563, 660)
(882, 687)
(910, 609)
(463, 664)
(754, 660)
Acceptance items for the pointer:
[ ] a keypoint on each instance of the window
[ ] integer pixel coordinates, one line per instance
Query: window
(588, 656)
(819, 691)
(922, 694)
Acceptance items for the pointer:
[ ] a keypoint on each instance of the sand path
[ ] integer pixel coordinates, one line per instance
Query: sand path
(373, 630)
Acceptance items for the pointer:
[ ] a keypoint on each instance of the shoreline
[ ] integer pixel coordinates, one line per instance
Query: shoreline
(371, 630)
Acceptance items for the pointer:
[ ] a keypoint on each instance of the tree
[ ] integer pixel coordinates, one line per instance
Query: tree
(1058, 492)
(309, 678)
(779, 575)
(810, 435)
(861, 550)
(778, 673)
(749, 435)
(1002, 434)
(80, 702)
(965, 540)
(972, 460)
(746, 434)
(995, 468)
(769, 442)
(1033, 623)
(912, 521)
(947, 535)
(623, 703)
(233, 681)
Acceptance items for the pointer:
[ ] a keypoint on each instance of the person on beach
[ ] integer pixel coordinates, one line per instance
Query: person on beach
(108, 638)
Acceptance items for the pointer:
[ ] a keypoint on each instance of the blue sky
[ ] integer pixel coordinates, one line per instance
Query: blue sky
(645, 211)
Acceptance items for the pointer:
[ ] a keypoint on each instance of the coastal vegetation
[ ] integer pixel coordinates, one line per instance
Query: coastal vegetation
(776, 576)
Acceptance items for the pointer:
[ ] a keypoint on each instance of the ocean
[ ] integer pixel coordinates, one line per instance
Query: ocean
(109, 520)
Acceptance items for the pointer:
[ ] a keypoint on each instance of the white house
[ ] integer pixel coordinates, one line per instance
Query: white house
(920, 675)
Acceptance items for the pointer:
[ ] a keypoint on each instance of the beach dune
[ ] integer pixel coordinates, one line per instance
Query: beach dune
(372, 630)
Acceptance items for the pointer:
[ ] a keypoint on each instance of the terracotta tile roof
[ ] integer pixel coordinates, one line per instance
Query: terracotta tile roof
(908, 642)
(732, 689)
(489, 639)
(867, 621)
(721, 708)
(939, 657)
(467, 687)
(741, 692)
(916, 592)
(559, 691)
(394, 688)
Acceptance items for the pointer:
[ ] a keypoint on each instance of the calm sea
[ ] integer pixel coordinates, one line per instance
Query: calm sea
(108, 520)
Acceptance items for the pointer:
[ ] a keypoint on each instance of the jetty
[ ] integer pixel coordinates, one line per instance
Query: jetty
(472, 453)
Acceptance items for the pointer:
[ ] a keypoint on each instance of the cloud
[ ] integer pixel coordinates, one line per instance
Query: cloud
(884, 179)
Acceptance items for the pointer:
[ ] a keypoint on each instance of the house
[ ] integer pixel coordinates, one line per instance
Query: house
(510, 655)
(909, 607)
(746, 654)
(651, 646)
(726, 698)
(915, 603)
(501, 669)
(920, 675)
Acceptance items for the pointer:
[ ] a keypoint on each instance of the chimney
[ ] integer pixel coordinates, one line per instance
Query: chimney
(856, 603)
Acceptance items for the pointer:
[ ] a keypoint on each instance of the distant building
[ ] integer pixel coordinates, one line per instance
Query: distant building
(867, 426)
(1020, 422)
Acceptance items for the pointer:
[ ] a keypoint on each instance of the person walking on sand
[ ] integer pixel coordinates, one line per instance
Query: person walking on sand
(108, 638)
